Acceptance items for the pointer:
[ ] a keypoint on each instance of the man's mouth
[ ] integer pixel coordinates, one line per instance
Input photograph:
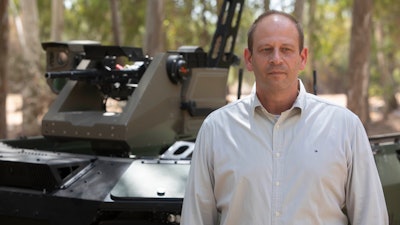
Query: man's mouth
(276, 72)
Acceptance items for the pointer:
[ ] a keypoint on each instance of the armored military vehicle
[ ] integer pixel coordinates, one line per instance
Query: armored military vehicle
(117, 140)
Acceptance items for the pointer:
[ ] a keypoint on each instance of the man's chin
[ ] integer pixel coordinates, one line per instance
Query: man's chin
(277, 76)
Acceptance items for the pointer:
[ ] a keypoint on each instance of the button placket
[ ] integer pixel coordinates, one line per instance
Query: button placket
(277, 171)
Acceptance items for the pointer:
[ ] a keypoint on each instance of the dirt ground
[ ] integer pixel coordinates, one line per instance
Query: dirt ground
(380, 125)
(377, 126)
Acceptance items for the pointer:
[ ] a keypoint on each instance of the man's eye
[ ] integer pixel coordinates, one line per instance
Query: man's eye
(286, 49)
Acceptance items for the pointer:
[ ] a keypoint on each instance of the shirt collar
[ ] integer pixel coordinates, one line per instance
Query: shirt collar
(301, 97)
(300, 102)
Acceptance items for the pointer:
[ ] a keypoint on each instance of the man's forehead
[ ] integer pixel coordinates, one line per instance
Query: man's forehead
(274, 24)
(277, 18)
(278, 29)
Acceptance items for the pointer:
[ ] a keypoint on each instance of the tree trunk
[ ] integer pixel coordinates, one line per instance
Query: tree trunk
(116, 22)
(3, 66)
(358, 71)
(392, 100)
(154, 38)
(267, 4)
(298, 10)
(386, 79)
(57, 20)
(35, 93)
(310, 42)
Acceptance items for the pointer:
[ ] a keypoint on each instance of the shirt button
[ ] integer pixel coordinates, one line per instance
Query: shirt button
(277, 154)
(277, 213)
(277, 183)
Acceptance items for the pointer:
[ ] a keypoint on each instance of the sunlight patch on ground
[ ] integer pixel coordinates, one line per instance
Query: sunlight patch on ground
(14, 114)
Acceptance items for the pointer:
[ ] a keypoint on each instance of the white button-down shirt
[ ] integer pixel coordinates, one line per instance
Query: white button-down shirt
(312, 165)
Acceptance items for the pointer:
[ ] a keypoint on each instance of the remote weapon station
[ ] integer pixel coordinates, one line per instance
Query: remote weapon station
(117, 140)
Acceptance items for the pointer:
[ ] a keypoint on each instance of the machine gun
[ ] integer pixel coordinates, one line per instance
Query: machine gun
(98, 66)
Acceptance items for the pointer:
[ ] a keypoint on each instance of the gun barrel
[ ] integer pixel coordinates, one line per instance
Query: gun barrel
(112, 75)
(73, 74)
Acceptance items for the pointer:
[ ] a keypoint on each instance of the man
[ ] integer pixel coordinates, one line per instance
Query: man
(281, 155)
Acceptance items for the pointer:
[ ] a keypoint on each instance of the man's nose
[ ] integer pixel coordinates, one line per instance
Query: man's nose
(275, 57)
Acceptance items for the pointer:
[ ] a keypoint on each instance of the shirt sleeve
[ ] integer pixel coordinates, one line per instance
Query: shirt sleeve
(365, 202)
(199, 207)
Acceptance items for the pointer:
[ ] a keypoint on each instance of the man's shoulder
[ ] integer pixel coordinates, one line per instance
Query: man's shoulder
(329, 104)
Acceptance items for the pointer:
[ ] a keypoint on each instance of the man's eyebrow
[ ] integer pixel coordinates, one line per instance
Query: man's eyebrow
(281, 46)
(288, 45)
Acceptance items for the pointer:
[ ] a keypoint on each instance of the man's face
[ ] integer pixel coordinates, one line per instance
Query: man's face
(275, 58)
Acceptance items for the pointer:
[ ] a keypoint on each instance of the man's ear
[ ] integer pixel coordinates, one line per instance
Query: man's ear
(304, 56)
(247, 59)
